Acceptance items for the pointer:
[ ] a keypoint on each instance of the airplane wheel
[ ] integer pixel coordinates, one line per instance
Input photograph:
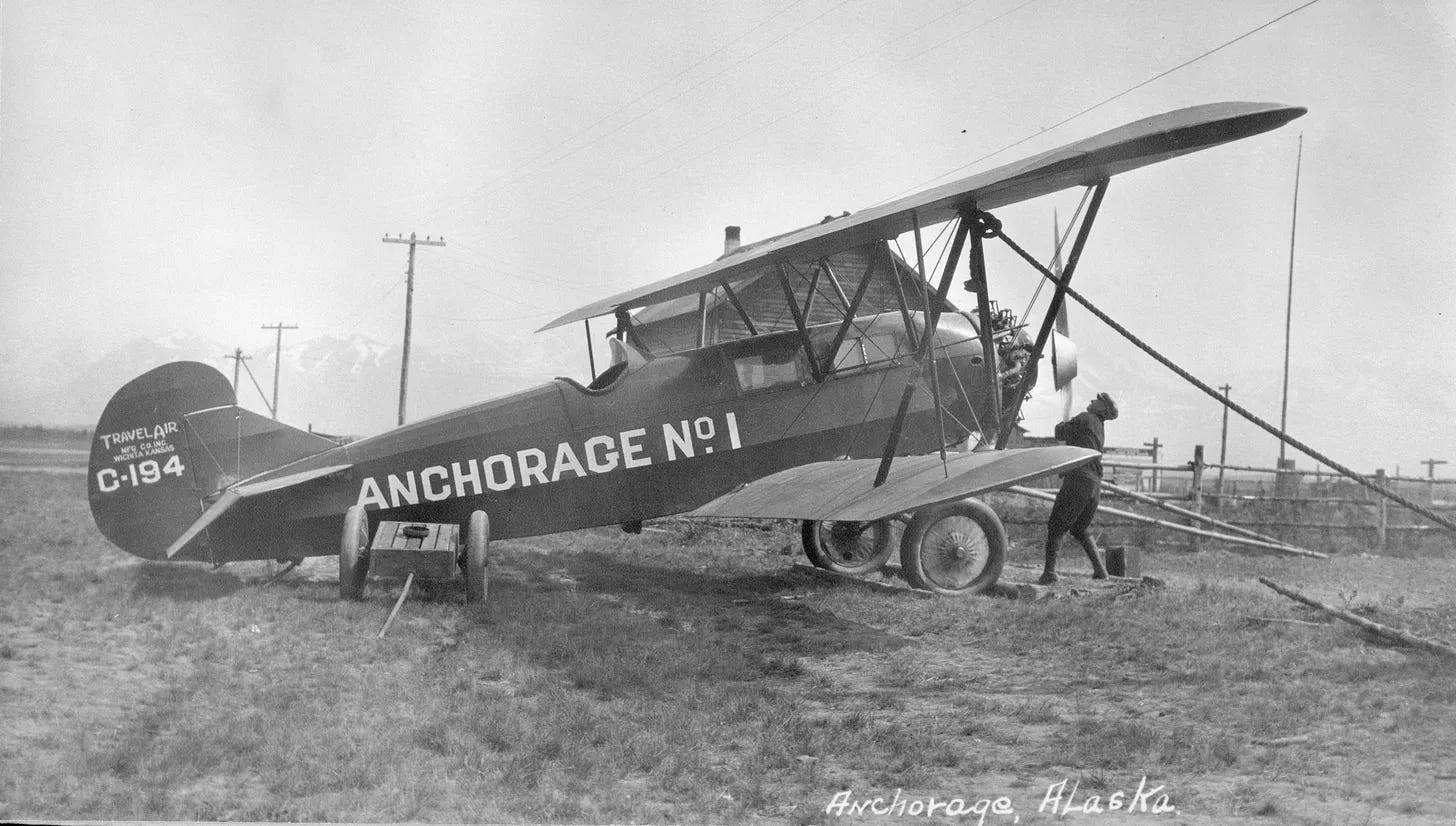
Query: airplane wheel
(354, 554)
(953, 549)
(848, 547)
(477, 539)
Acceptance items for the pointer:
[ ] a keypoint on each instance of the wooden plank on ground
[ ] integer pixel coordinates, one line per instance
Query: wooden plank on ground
(1397, 634)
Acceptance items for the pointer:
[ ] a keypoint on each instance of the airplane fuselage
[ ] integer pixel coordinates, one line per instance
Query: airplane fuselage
(676, 432)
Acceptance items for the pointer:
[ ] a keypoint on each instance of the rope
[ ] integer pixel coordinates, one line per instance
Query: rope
(1231, 405)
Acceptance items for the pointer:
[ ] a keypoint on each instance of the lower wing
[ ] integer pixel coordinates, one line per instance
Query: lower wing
(843, 490)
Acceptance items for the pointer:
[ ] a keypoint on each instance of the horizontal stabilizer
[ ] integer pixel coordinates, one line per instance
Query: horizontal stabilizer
(233, 443)
(237, 493)
(843, 490)
(247, 489)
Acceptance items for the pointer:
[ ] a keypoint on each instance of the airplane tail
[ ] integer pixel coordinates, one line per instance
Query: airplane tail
(170, 440)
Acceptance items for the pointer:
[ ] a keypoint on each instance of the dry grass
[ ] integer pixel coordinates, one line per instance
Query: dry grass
(692, 675)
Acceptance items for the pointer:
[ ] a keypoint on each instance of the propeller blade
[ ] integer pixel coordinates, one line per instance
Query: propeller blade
(1064, 352)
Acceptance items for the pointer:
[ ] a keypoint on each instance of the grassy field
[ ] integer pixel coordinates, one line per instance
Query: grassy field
(694, 674)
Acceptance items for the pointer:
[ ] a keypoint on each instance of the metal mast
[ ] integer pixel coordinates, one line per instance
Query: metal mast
(1289, 302)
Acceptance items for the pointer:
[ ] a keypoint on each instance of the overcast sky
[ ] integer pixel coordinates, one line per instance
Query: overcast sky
(211, 167)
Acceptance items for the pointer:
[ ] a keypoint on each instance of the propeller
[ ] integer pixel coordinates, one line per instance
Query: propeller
(1064, 351)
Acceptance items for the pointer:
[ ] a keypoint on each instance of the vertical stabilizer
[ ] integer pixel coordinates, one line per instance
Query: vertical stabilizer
(168, 443)
(141, 484)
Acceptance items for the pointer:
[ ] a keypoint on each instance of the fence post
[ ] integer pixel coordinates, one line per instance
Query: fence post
(1381, 515)
(1195, 492)
(1157, 479)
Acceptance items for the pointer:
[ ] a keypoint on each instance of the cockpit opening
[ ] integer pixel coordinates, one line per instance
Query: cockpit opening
(626, 358)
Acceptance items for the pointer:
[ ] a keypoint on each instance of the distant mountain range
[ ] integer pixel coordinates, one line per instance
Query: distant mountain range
(350, 386)
(336, 385)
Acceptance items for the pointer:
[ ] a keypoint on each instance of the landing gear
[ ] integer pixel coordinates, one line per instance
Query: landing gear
(477, 540)
(854, 548)
(953, 549)
(354, 554)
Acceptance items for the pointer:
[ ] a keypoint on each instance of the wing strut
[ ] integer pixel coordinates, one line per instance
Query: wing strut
(591, 357)
(799, 323)
(834, 282)
(733, 299)
(851, 308)
(931, 320)
(1058, 298)
(985, 225)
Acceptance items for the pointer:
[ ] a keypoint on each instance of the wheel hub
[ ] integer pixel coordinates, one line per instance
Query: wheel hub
(956, 555)
(960, 547)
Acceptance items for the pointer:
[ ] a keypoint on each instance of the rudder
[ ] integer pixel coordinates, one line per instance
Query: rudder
(141, 482)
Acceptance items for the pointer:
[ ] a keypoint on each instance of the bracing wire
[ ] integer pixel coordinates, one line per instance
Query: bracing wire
(259, 388)
(1061, 243)
(1237, 408)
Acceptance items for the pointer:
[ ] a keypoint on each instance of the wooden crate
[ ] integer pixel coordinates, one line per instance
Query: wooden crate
(426, 549)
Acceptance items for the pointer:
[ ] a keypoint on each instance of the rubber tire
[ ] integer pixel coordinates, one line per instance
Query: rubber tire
(831, 559)
(477, 543)
(923, 564)
(354, 554)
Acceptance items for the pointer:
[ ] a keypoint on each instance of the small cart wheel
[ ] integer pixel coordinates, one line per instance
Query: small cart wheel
(354, 554)
(953, 549)
(477, 540)
(854, 548)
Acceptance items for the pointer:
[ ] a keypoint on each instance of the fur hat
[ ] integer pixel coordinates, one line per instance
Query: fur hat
(1109, 407)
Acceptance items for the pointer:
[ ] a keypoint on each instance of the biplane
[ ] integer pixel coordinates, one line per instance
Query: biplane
(819, 376)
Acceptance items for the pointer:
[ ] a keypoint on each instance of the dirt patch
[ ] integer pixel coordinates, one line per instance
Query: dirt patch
(695, 674)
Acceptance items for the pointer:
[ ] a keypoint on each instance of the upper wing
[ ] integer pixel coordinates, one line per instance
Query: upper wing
(1082, 163)
(842, 490)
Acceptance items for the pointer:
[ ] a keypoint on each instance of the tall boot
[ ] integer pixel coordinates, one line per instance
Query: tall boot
(1049, 569)
(1090, 546)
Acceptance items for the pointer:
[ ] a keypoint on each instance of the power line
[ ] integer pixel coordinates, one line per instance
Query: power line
(468, 282)
(374, 304)
(1105, 101)
(258, 387)
(525, 170)
(743, 114)
(504, 266)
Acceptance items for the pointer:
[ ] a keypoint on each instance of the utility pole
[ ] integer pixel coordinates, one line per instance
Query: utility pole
(238, 359)
(278, 358)
(1223, 445)
(409, 304)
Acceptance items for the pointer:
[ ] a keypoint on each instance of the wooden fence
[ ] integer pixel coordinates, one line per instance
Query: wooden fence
(1310, 508)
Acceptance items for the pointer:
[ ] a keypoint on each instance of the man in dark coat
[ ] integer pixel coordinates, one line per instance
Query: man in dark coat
(1081, 488)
